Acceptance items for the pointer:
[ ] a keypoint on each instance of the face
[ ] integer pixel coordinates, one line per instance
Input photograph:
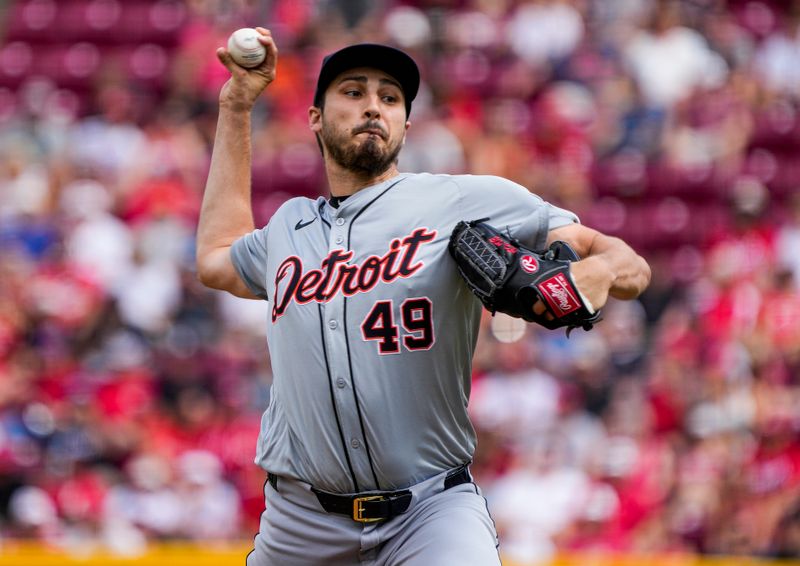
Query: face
(363, 124)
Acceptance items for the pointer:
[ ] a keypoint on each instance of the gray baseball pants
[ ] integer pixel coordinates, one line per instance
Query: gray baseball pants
(439, 528)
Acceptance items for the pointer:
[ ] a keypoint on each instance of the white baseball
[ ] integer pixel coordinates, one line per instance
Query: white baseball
(244, 47)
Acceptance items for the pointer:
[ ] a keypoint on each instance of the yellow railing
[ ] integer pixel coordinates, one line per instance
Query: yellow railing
(33, 554)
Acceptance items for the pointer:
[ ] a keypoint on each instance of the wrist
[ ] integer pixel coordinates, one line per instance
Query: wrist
(593, 271)
(236, 108)
(601, 263)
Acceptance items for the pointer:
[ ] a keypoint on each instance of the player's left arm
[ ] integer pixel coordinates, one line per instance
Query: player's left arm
(608, 266)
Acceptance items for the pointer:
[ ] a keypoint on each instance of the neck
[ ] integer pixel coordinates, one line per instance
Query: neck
(344, 182)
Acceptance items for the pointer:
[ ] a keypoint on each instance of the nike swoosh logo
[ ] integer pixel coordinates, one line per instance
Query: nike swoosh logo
(301, 224)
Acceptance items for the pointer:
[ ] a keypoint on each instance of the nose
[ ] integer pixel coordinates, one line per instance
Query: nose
(372, 110)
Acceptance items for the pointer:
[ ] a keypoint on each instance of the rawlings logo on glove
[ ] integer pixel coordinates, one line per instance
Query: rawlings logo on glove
(509, 278)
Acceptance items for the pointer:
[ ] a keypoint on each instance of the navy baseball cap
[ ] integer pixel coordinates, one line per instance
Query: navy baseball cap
(391, 61)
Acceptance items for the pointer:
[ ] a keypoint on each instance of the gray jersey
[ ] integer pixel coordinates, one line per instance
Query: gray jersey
(372, 330)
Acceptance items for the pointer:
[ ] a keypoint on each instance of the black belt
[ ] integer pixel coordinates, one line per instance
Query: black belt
(375, 506)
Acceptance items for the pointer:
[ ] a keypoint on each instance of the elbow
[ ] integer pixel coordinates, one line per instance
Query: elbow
(643, 275)
(635, 281)
(205, 278)
(647, 274)
(215, 271)
(205, 271)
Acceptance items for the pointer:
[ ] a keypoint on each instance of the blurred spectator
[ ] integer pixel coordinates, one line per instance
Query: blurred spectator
(515, 399)
(774, 59)
(205, 494)
(147, 503)
(541, 494)
(789, 241)
(668, 59)
(545, 31)
(787, 535)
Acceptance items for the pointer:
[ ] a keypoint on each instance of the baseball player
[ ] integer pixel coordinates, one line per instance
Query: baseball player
(366, 439)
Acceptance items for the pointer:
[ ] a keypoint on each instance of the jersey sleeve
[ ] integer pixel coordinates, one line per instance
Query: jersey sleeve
(249, 258)
(510, 206)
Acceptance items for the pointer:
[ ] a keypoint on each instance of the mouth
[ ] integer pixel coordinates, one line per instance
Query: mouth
(372, 132)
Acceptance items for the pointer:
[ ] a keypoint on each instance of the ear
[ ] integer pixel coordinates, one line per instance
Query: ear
(405, 133)
(314, 119)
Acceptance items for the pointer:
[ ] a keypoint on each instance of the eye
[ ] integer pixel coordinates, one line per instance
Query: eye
(389, 98)
(352, 92)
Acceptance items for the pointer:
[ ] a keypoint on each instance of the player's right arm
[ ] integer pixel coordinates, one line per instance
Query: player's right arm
(226, 213)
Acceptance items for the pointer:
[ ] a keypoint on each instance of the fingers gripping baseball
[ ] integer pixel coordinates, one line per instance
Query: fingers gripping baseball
(246, 85)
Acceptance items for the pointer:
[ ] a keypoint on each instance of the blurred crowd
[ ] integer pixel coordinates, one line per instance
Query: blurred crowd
(130, 396)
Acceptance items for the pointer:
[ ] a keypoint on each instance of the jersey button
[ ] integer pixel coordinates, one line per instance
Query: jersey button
(339, 221)
(332, 324)
(339, 239)
(340, 382)
(355, 443)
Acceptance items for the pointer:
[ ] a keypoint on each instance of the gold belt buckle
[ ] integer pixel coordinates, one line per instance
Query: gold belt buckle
(358, 509)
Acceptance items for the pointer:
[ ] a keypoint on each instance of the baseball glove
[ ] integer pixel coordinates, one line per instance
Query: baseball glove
(509, 278)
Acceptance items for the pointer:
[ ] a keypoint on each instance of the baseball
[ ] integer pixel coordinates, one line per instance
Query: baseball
(246, 50)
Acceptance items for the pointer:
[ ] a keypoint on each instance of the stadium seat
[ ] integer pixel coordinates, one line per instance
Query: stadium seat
(8, 104)
(146, 63)
(696, 183)
(152, 22)
(608, 214)
(623, 174)
(69, 65)
(16, 61)
(98, 21)
(776, 127)
(33, 20)
(787, 177)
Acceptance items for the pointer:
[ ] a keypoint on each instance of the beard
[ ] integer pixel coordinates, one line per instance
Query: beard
(369, 158)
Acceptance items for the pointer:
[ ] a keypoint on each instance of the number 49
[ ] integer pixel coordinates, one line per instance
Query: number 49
(416, 317)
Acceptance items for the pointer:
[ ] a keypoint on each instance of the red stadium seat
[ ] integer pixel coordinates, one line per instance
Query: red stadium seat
(678, 222)
(93, 20)
(71, 66)
(778, 169)
(16, 61)
(151, 22)
(8, 104)
(669, 220)
(166, 18)
(623, 174)
(608, 214)
(147, 63)
(34, 20)
(100, 21)
(786, 181)
(698, 183)
(776, 126)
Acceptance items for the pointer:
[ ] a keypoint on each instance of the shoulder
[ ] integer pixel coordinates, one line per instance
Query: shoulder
(490, 182)
(491, 188)
(465, 183)
(296, 206)
(299, 204)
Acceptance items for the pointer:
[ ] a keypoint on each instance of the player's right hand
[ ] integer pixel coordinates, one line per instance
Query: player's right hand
(245, 85)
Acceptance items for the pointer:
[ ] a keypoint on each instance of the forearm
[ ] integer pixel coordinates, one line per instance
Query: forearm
(226, 212)
(628, 272)
(609, 265)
